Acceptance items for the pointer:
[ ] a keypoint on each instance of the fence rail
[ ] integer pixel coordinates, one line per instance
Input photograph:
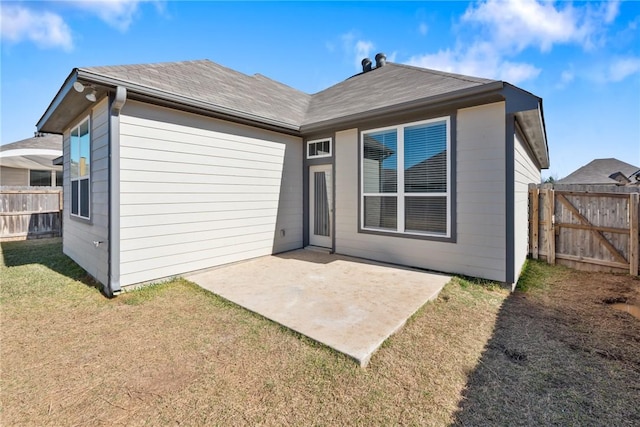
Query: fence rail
(586, 230)
(30, 212)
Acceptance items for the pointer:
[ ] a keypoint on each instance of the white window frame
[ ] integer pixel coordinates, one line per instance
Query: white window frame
(400, 193)
(83, 177)
(320, 156)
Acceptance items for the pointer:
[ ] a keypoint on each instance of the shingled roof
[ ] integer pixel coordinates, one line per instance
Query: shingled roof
(40, 141)
(599, 171)
(262, 97)
(37, 152)
(205, 87)
(212, 83)
(382, 87)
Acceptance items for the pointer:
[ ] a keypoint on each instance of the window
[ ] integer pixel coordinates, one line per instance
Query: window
(405, 179)
(58, 178)
(80, 169)
(319, 148)
(39, 178)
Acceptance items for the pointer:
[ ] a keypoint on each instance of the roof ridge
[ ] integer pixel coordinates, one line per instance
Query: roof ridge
(462, 77)
(151, 64)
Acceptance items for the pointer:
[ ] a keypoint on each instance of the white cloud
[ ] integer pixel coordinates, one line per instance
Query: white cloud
(611, 10)
(362, 49)
(519, 24)
(615, 71)
(118, 14)
(502, 29)
(622, 68)
(356, 49)
(523, 23)
(481, 60)
(423, 29)
(516, 72)
(45, 29)
(566, 77)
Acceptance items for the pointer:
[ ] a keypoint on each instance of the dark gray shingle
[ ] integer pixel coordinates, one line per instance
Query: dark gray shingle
(209, 82)
(598, 171)
(382, 87)
(260, 96)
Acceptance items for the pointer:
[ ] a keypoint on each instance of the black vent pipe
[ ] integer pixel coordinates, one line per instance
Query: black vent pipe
(366, 65)
(381, 59)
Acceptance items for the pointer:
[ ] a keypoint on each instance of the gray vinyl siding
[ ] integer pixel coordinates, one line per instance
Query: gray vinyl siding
(197, 192)
(14, 176)
(79, 235)
(481, 234)
(525, 173)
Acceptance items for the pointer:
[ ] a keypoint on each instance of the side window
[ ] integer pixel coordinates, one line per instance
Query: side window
(38, 178)
(319, 148)
(80, 169)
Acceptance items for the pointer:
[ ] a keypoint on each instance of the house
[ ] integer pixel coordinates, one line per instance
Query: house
(29, 162)
(175, 167)
(603, 172)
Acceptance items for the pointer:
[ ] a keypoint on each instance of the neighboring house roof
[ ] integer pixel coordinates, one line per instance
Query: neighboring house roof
(208, 88)
(600, 171)
(32, 153)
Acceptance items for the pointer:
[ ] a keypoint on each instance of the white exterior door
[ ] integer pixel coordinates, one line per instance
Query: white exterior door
(320, 205)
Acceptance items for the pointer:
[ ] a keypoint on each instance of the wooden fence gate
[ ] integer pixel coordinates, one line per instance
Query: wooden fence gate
(30, 212)
(594, 231)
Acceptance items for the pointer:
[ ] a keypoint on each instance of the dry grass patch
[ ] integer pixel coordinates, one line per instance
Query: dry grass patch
(560, 355)
(175, 354)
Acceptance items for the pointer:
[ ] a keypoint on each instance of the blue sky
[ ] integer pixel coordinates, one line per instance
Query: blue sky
(582, 58)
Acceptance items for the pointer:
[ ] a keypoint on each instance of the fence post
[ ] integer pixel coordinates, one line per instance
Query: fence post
(534, 221)
(633, 233)
(549, 206)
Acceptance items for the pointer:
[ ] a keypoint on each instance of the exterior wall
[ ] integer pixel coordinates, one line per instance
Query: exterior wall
(79, 235)
(14, 176)
(21, 177)
(197, 192)
(481, 235)
(525, 173)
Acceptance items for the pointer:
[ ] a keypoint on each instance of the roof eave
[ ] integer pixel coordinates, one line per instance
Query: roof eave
(528, 110)
(57, 100)
(149, 94)
(532, 124)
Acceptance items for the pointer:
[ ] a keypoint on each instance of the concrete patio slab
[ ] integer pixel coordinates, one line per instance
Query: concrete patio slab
(349, 304)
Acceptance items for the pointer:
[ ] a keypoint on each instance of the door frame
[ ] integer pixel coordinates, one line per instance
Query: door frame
(314, 240)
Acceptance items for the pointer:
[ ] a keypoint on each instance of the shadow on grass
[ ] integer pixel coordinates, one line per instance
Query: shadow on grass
(558, 356)
(48, 253)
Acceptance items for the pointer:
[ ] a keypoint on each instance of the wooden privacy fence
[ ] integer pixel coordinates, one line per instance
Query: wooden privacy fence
(594, 231)
(30, 212)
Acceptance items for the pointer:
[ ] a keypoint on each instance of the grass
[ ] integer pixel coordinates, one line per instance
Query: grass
(176, 354)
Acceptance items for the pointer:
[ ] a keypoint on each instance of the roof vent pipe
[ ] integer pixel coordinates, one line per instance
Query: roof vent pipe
(366, 65)
(381, 59)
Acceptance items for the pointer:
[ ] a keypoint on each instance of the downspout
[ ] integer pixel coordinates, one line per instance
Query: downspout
(117, 102)
(510, 177)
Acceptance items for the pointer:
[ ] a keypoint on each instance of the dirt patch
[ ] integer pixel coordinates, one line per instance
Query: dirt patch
(577, 360)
